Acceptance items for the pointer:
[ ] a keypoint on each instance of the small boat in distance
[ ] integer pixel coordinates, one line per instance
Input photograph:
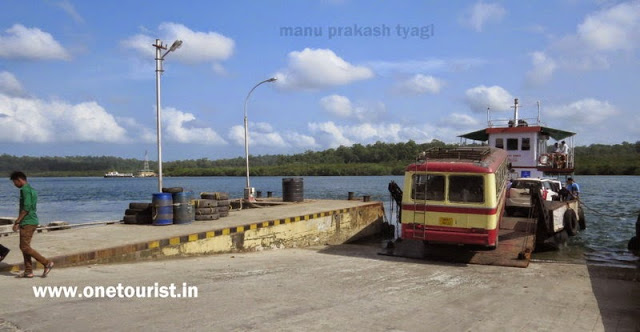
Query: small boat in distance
(114, 174)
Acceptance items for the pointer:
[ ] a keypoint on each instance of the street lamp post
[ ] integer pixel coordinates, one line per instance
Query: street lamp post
(248, 190)
(159, 58)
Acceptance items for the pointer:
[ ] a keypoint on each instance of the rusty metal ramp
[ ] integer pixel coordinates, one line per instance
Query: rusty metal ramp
(515, 245)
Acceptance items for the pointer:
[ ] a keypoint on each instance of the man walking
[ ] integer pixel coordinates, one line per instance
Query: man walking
(27, 222)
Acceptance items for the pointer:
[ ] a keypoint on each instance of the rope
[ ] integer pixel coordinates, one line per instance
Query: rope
(604, 214)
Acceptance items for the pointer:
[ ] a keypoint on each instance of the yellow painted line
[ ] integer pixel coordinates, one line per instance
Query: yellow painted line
(211, 234)
(226, 231)
(296, 218)
(193, 237)
(265, 224)
(240, 229)
(253, 226)
(154, 244)
(276, 222)
(315, 216)
(174, 241)
(287, 220)
(306, 217)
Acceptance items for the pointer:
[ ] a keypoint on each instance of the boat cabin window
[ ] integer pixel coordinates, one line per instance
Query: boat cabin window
(466, 188)
(428, 186)
(526, 144)
(512, 144)
(499, 143)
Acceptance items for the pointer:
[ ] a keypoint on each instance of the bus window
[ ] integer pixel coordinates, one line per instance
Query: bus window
(466, 188)
(512, 144)
(429, 186)
(499, 143)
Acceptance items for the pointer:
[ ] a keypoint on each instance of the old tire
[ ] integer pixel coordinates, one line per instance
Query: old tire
(224, 202)
(214, 195)
(223, 214)
(207, 210)
(130, 219)
(172, 190)
(206, 203)
(139, 206)
(204, 217)
(570, 221)
(581, 220)
(222, 208)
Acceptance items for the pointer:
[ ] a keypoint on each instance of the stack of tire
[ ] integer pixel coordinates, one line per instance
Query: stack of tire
(138, 214)
(212, 206)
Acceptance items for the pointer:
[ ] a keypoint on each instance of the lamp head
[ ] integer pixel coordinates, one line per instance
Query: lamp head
(273, 79)
(176, 45)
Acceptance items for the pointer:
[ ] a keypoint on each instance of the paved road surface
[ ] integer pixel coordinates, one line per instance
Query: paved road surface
(337, 288)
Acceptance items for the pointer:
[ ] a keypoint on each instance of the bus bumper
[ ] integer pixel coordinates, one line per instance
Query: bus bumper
(452, 235)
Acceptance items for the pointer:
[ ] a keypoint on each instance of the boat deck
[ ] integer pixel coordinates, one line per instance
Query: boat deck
(516, 242)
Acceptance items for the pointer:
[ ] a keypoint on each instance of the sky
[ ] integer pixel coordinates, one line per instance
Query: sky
(78, 77)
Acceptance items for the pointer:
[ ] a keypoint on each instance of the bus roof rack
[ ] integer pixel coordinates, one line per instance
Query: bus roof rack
(466, 153)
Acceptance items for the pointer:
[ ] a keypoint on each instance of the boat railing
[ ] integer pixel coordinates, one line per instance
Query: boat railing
(524, 122)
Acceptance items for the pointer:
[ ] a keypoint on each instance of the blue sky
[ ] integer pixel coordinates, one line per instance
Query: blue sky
(78, 77)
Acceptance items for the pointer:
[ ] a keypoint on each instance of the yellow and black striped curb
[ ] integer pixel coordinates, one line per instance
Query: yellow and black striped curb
(103, 254)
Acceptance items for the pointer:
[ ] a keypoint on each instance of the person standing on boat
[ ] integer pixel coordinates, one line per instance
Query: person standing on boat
(573, 189)
(27, 223)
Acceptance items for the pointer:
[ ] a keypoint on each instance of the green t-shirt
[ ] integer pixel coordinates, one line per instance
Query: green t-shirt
(28, 201)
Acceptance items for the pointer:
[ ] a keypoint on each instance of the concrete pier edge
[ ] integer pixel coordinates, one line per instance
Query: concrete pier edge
(171, 247)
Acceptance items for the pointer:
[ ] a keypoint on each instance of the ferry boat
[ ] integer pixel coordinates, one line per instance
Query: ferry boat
(114, 174)
(458, 195)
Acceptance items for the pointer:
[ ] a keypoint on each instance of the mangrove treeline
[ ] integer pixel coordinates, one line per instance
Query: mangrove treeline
(373, 159)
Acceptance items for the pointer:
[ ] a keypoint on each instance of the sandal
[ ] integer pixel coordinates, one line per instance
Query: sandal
(47, 269)
(25, 275)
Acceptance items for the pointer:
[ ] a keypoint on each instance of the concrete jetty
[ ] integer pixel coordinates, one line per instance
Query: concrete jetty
(311, 222)
(331, 288)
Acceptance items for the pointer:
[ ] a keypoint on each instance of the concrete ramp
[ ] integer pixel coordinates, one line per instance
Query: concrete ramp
(515, 245)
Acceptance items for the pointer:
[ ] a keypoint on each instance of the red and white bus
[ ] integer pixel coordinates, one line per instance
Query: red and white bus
(455, 195)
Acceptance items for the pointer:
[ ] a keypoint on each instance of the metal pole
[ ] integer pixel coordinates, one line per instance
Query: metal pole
(248, 192)
(159, 48)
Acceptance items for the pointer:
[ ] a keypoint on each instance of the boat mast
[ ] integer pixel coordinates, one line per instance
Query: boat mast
(515, 112)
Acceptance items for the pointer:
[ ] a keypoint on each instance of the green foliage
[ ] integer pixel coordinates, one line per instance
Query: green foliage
(373, 159)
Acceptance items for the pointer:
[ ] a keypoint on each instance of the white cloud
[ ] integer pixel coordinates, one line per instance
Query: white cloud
(35, 120)
(495, 97)
(143, 134)
(70, 10)
(427, 65)
(612, 29)
(263, 134)
(482, 13)
(20, 42)
(301, 141)
(421, 84)
(329, 134)
(585, 111)
(543, 68)
(460, 121)
(319, 68)
(10, 85)
(598, 40)
(342, 107)
(175, 126)
(197, 46)
(337, 105)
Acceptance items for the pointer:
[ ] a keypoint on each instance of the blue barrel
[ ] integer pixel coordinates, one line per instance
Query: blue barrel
(162, 204)
(183, 210)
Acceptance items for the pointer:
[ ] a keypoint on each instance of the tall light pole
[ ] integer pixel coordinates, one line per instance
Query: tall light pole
(159, 57)
(248, 191)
